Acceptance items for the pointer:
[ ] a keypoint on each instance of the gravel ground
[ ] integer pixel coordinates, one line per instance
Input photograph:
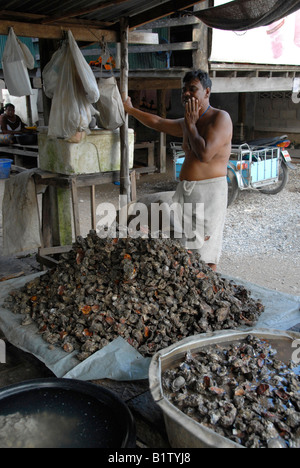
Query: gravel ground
(261, 237)
(262, 232)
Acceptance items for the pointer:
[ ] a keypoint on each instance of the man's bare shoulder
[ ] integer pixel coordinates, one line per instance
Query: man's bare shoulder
(223, 116)
(222, 119)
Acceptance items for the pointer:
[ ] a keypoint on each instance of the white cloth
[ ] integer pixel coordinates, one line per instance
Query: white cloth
(20, 213)
(208, 199)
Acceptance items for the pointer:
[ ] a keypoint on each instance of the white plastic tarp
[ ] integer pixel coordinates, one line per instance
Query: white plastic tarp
(119, 360)
(70, 83)
(16, 60)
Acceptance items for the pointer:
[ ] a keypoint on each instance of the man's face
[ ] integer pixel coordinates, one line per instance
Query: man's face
(194, 89)
(10, 111)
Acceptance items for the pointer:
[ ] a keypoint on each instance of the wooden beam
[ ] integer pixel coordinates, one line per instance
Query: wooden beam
(80, 33)
(148, 47)
(160, 12)
(70, 23)
(142, 37)
(173, 22)
(251, 85)
(152, 83)
(85, 32)
(21, 15)
(164, 47)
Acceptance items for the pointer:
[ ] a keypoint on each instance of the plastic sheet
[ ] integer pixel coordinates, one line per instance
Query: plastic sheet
(119, 360)
(71, 84)
(110, 106)
(20, 214)
(16, 59)
(242, 15)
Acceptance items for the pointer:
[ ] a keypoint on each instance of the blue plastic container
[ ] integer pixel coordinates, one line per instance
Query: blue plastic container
(178, 166)
(5, 165)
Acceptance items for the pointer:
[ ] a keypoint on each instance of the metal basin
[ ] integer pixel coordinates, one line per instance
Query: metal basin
(184, 432)
(63, 413)
(30, 139)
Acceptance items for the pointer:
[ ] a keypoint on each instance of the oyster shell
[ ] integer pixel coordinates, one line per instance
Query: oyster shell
(257, 408)
(151, 292)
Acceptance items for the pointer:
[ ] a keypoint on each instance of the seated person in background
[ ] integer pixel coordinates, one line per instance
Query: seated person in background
(11, 123)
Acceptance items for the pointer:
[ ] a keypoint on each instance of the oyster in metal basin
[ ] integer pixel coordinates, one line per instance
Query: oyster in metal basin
(230, 389)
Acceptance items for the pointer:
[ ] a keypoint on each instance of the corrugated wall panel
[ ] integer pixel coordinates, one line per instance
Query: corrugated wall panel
(141, 60)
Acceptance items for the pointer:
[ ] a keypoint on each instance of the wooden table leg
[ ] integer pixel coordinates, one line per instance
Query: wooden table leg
(75, 207)
(133, 185)
(93, 207)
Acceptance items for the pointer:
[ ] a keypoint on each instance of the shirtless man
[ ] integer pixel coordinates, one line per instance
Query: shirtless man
(207, 135)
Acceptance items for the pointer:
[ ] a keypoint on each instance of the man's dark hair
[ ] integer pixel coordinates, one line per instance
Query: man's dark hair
(200, 75)
(8, 105)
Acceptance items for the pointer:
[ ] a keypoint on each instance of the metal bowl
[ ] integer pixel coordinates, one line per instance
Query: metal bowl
(64, 413)
(30, 139)
(184, 432)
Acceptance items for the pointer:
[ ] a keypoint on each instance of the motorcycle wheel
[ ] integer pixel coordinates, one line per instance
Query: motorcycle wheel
(233, 188)
(280, 185)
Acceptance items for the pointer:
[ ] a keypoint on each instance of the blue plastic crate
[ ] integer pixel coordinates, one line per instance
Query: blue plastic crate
(5, 165)
(178, 166)
(264, 170)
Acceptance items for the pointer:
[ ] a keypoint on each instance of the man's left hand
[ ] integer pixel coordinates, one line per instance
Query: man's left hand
(192, 110)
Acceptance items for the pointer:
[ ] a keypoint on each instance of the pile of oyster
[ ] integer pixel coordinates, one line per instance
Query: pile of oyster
(241, 391)
(151, 292)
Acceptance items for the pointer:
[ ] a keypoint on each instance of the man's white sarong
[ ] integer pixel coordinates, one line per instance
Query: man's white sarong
(204, 205)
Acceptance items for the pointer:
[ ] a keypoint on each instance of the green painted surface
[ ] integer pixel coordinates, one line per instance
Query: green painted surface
(64, 216)
(98, 152)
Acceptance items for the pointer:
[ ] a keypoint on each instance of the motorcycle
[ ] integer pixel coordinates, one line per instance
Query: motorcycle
(261, 165)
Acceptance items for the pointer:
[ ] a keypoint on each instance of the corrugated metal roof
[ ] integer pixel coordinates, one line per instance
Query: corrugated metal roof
(95, 10)
(89, 13)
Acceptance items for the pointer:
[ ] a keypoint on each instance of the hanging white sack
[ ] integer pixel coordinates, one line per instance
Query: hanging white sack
(84, 71)
(110, 105)
(16, 60)
(52, 70)
(71, 84)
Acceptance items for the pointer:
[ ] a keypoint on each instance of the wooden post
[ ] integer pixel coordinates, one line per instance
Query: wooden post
(162, 112)
(47, 48)
(200, 34)
(29, 111)
(124, 71)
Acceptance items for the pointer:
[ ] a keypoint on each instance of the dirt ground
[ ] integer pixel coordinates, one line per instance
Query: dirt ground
(273, 270)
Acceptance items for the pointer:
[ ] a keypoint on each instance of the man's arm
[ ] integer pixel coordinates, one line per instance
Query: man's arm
(3, 125)
(169, 126)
